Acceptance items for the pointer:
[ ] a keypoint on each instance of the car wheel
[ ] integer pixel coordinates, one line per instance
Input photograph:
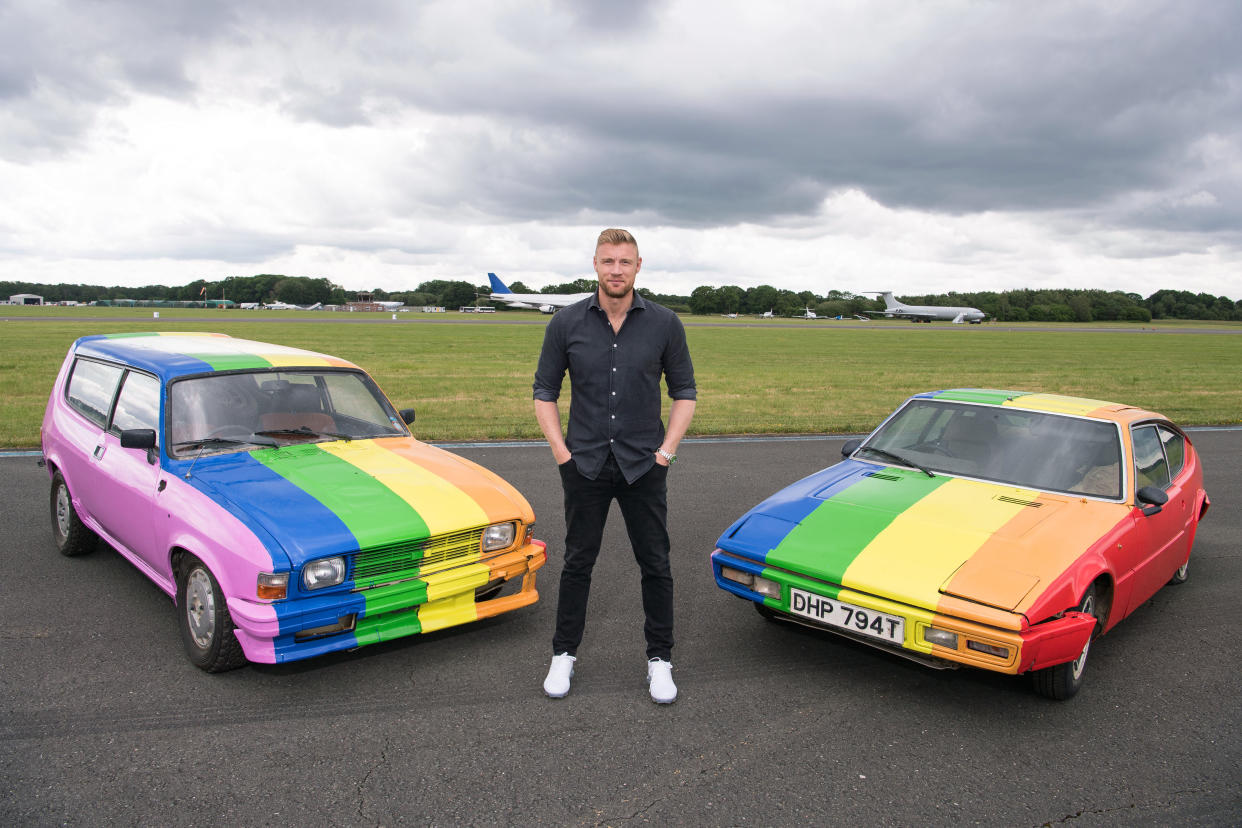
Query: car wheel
(206, 626)
(1062, 681)
(1182, 573)
(765, 612)
(72, 536)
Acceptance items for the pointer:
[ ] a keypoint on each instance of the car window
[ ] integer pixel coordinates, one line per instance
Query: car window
(1036, 449)
(1174, 449)
(138, 405)
(239, 411)
(92, 388)
(1150, 466)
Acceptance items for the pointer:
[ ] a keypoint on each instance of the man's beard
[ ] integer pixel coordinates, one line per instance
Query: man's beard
(621, 295)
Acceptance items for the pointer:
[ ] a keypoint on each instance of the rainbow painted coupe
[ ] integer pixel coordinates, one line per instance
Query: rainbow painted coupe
(995, 529)
(277, 495)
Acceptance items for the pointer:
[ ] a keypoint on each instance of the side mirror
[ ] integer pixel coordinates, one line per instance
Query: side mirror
(1154, 496)
(850, 447)
(138, 438)
(407, 415)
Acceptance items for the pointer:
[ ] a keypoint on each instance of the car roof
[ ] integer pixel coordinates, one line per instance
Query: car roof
(174, 354)
(1051, 403)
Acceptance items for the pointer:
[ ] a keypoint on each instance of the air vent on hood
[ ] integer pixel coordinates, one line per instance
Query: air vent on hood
(1017, 501)
(883, 476)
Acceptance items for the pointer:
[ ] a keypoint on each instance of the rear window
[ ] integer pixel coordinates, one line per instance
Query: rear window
(92, 388)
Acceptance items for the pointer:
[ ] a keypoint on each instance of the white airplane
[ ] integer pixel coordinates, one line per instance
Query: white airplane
(766, 314)
(807, 313)
(926, 313)
(545, 302)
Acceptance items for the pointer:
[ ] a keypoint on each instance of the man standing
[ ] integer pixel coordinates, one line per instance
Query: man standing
(615, 345)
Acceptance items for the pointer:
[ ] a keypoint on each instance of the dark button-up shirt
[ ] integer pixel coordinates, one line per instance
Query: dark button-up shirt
(614, 381)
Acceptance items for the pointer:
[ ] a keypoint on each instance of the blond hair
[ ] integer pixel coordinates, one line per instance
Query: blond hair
(615, 235)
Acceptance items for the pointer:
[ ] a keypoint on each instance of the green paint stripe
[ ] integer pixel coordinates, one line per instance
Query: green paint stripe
(386, 628)
(985, 396)
(370, 510)
(232, 362)
(828, 540)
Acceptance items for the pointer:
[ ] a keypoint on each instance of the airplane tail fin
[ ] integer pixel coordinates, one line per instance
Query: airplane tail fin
(497, 285)
(889, 302)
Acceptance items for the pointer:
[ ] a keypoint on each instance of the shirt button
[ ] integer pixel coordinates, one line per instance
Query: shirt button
(614, 416)
(614, 370)
(614, 344)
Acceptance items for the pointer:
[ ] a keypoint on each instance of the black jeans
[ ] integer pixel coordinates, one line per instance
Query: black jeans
(644, 506)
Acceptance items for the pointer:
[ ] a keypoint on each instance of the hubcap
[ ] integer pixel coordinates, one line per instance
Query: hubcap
(1088, 606)
(62, 511)
(200, 608)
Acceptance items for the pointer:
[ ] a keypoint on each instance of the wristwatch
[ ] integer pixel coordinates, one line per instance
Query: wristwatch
(671, 458)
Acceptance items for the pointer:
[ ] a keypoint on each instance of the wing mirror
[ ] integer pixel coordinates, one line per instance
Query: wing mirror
(407, 415)
(140, 438)
(1154, 497)
(850, 447)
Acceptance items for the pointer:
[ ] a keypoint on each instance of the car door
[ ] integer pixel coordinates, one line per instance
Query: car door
(89, 396)
(1159, 453)
(129, 514)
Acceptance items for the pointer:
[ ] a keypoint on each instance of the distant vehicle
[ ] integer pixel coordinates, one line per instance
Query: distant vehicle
(766, 314)
(545, 302)
(287, 306)
(992, 529)
(729, 315)
(807, 313)
(277, 496)
(476, 309)
(894, 309)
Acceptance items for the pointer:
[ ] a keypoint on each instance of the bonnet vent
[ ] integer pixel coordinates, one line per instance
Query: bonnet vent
(1034, 504)
(883, 476)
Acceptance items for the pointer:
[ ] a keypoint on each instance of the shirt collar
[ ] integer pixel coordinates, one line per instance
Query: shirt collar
(638, 304)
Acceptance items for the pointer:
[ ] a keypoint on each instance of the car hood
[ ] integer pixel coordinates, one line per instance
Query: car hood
(321, 499)
(900, 534)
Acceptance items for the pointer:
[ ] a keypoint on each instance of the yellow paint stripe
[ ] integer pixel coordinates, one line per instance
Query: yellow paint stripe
(441, 505)
(915, 618)
(1057, 404)
(448, 612)
(451, 581)
(911, 564)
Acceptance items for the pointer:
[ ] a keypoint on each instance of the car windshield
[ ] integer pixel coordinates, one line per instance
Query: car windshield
(1028, 449)
(241, 410)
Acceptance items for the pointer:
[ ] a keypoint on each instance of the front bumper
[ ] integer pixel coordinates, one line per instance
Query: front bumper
(310, 626)
(1026, 647)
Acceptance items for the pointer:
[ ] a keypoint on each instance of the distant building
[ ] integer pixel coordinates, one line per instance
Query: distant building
(25, 299)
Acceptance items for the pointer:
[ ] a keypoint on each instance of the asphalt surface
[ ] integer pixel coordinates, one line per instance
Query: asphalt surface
(105, 722)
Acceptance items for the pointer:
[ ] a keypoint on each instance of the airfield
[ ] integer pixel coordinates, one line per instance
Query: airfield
(104, 721)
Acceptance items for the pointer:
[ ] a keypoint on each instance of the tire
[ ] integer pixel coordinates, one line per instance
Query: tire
(765, 612)
(1182, 573)
(72, 536)
(206, 626)
(1062, 681)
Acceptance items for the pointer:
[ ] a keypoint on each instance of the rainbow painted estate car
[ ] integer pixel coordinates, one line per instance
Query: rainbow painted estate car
(277, 496)
(993, 529)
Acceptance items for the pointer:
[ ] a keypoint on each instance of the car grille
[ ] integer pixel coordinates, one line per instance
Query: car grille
(377, 563)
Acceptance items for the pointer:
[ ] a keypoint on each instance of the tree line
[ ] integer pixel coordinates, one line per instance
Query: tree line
(1072, 305)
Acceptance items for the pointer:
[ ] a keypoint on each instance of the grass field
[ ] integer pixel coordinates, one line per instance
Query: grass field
(469, 378)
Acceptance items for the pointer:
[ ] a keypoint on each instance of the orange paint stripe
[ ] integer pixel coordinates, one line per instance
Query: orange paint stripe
(484, 487)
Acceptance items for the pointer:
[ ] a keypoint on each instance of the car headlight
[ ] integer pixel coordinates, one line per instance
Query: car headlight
(498, 536)
(324, 572)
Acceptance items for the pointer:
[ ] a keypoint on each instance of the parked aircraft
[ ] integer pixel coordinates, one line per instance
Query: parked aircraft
(545, 302)
(807, 313)
(766, 314)
(894, 309)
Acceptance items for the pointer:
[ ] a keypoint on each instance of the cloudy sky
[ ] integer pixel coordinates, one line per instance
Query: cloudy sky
(915, 146)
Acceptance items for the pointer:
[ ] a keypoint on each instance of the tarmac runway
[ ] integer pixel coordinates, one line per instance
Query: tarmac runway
(104, 722)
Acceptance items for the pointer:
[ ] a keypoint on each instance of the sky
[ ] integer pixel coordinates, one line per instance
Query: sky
(907, 145)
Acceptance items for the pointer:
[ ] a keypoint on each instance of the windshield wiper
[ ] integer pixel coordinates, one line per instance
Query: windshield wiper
(223, 441)
(302, 431)
(897, 458)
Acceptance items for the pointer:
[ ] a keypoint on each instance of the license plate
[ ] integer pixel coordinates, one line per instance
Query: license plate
(859, 620)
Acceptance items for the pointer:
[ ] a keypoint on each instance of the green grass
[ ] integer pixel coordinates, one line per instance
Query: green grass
(471, 381)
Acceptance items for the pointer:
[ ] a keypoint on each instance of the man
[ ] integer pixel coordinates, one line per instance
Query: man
(615, 346)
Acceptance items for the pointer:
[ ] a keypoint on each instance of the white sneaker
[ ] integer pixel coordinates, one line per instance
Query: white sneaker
(556, 685)
(660, 681)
